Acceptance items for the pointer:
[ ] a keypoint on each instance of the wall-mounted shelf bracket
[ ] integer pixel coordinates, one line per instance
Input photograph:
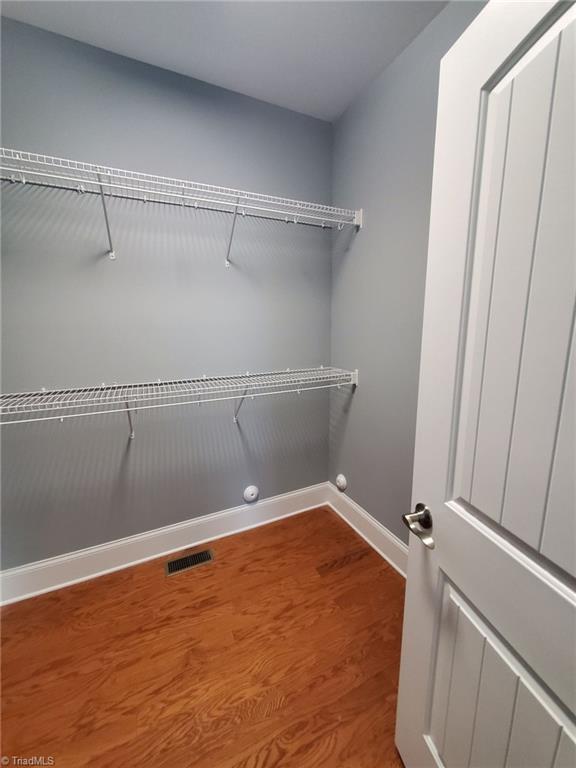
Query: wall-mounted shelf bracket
(358, 219)
(227, 262)
(237, 410)
(130, 415)
(111, 253)
(355, 378)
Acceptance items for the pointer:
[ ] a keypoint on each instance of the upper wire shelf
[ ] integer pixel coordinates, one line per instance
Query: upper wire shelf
(29, 167)
(24, 407)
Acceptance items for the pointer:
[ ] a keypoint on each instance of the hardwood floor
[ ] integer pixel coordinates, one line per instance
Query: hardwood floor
(282, 652)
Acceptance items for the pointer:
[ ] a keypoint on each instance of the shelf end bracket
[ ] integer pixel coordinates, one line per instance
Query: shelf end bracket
(358, 219)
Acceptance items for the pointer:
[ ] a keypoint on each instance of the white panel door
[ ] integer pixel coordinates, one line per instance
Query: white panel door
(488, 673)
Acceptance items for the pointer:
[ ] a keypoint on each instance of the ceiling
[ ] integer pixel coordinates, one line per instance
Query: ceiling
(309, 56)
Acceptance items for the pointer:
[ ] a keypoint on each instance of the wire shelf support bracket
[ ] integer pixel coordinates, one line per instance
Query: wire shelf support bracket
(111, 252)
(240, 403)
(130, 415)
(231, 237)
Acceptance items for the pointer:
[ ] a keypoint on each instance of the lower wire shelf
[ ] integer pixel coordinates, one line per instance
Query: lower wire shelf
(25, 407)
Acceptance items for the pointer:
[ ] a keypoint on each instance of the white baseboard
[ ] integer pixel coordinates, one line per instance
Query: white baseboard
(389, 546)
(62, 571)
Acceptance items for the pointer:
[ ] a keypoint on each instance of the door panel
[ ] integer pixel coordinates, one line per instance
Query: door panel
(548, 318)
(529, 117)
(488, 710)
(494, 163)
(559, 540)
(566, 754)
(533, 612)
(534, 733)
(494, 711)
(440, 688)
(523, 297)
(488, 672)
(465, 670)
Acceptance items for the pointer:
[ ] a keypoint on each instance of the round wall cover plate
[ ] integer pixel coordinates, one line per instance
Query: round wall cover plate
(251, 494)
(341, 482)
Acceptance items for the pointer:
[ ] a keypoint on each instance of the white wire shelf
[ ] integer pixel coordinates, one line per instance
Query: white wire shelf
(25, 407)
(30, 168)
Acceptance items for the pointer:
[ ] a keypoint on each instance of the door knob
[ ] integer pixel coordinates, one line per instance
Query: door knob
(420, 523)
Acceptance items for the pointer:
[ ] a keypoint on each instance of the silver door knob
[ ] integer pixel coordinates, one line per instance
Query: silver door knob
(420, 523)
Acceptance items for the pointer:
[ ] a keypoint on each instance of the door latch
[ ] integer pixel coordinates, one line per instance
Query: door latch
(420, 523)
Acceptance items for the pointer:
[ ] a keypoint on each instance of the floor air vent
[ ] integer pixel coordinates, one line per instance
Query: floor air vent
(188, 561)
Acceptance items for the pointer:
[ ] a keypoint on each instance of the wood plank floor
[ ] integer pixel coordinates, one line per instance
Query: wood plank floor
(282, 652)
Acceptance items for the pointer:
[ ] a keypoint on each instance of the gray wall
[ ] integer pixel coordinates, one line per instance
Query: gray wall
(167, 308)
(383, 155)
